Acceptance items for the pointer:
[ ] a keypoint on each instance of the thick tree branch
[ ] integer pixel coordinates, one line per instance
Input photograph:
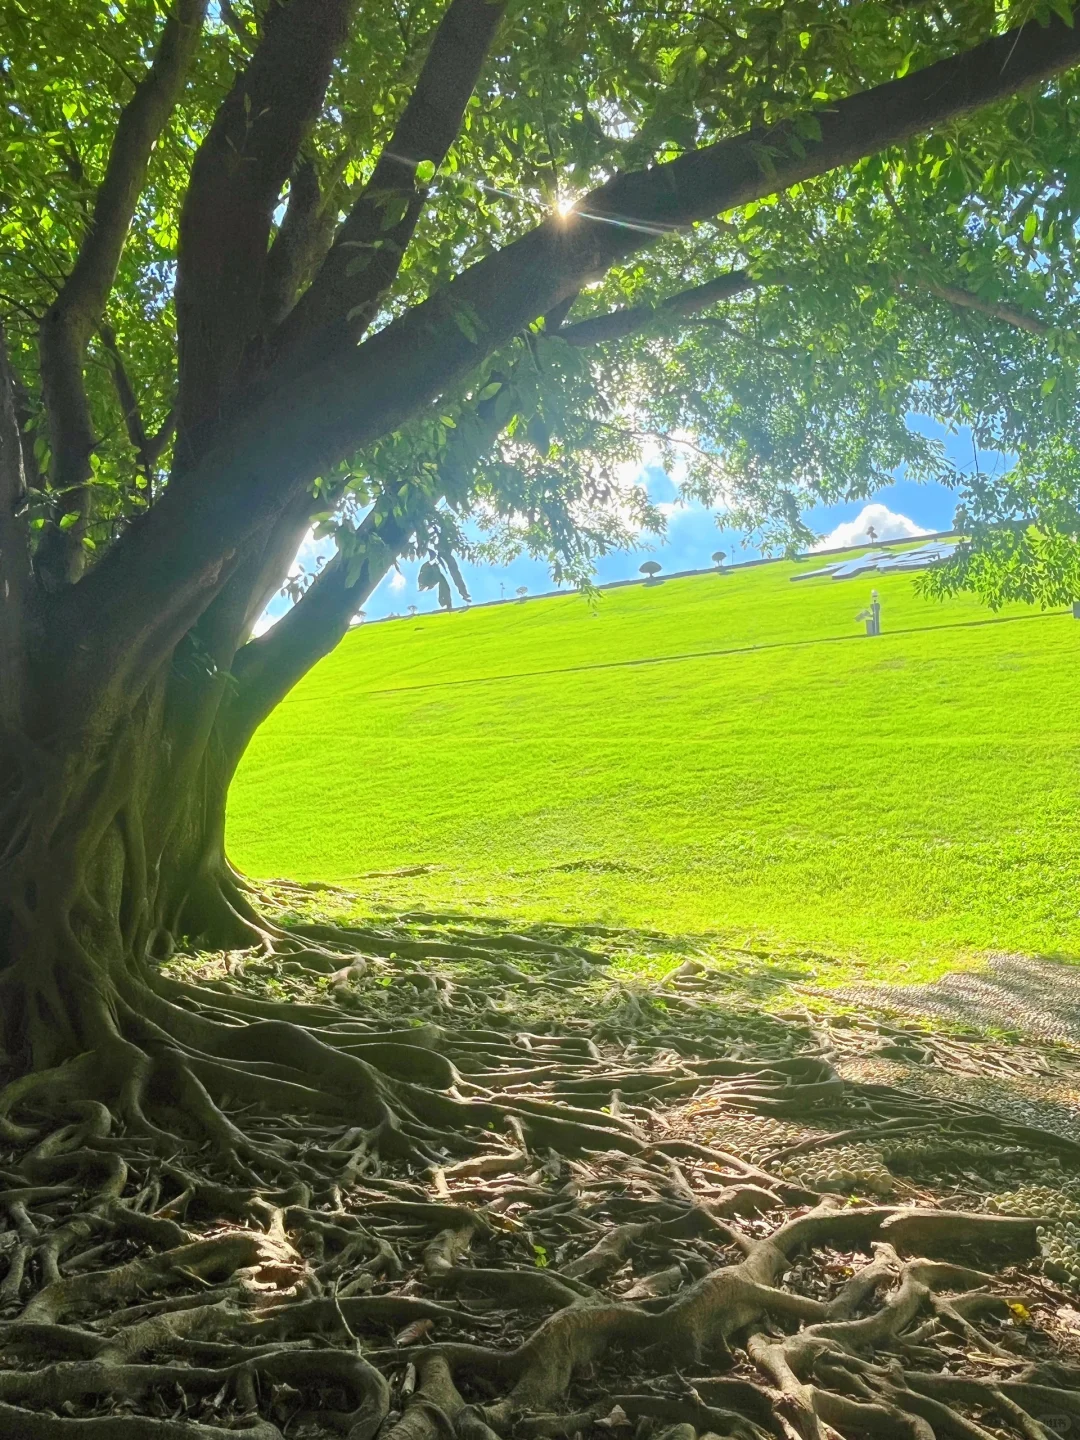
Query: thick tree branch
(618, 324)
(267, 668)
(296, 244)
(304, 426)
(227, 623)
(965, 299)
(236, 181)
(304, 236)
(74, 315)
(368, 249)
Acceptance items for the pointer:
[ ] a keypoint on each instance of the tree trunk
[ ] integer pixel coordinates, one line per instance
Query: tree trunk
(113, 847)
(112, 816)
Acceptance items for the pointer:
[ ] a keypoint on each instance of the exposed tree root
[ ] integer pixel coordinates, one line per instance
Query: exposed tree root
(558, 1206)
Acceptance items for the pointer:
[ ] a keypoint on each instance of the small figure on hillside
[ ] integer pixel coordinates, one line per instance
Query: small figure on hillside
(872, 616)
(412, 609)
(521, 592)
(718, 558)
(871, 534)
(650, 570)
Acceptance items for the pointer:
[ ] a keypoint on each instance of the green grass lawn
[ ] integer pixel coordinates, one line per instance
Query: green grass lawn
(724, 754)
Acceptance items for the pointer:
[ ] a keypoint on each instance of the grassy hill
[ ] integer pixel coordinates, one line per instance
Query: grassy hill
(722, 753)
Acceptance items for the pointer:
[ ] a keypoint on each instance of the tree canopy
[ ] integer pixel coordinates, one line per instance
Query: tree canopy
(933, 268)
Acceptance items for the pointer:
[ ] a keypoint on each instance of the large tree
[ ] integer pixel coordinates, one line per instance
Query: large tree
(312, 262)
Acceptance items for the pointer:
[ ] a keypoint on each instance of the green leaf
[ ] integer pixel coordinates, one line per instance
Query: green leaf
(429, 577)
(425, 171)
(459, 579)
(506, 403)
(394, 211)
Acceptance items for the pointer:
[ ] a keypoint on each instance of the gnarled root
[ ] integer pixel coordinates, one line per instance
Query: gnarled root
(222, 1220)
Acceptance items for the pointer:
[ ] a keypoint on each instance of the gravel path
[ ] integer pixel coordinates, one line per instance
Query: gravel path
(1037, 998)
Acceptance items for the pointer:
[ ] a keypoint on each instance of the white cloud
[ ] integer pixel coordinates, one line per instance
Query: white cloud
(886, 523)
(651, 457)
(265, 622)
(398, 581)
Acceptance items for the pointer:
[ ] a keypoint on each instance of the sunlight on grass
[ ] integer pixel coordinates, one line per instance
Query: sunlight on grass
(774, 778)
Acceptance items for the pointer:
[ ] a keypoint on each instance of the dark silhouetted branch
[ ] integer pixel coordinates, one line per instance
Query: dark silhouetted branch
(618, 324)
(369, 247)
(148, 448)
(236, 182)
(267, 668)
(74, 315)
(965, 299)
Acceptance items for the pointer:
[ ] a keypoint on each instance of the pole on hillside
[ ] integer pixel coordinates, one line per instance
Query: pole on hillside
(872, 616)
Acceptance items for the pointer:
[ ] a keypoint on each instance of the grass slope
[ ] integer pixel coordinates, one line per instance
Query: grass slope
(717, 753)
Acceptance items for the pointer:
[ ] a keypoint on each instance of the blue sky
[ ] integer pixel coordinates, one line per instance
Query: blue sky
(692, 535)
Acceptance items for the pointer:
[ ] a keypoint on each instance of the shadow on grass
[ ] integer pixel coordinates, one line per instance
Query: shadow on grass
(989, 1039)
(1037, 997)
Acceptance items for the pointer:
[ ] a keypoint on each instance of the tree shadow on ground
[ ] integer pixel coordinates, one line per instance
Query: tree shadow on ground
(1004, 1038)
(628, 952)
